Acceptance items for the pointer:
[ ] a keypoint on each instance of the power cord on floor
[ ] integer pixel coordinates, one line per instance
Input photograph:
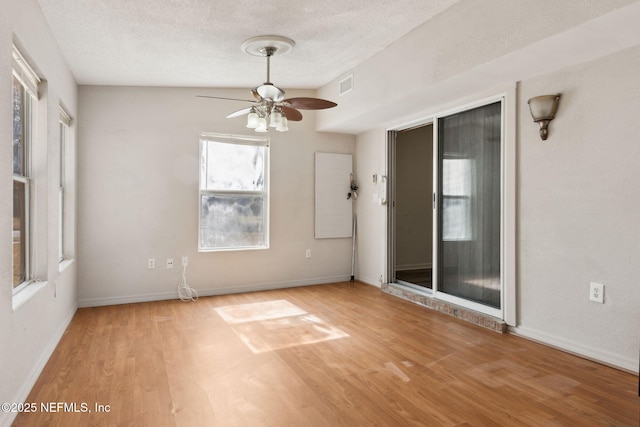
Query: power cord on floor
(185, 292)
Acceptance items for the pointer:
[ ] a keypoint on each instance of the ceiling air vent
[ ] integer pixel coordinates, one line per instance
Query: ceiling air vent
(346, 85)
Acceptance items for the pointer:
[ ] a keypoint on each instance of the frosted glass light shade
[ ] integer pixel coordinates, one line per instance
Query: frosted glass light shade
(275, 119)
(269, 91)
(543, 110)
(283, 126)
(252, 120)
(262, 125)
(544, 107)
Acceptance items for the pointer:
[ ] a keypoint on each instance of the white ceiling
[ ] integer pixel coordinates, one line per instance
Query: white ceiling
(197, 43)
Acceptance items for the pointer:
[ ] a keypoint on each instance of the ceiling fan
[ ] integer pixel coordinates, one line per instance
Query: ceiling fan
(269, 103)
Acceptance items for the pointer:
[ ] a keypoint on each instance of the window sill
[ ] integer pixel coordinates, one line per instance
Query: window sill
(64, 264)
(25, 294)
(244, 248)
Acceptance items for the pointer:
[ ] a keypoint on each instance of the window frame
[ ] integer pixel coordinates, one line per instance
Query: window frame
(206, 138)
(25, 76)
(64, 123)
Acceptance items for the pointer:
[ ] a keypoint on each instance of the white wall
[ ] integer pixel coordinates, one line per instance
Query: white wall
(29, 333)
(577, 192)
(371, 237)
(138, 198)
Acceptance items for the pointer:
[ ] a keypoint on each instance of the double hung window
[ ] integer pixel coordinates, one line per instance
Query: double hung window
(25, 91)
(234, 193)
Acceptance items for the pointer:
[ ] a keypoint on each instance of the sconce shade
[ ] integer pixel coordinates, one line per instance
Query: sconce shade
(543, 110)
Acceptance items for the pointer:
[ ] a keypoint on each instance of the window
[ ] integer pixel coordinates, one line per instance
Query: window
(65, 121)
(457, 189)
(234, 193)
(25, 89)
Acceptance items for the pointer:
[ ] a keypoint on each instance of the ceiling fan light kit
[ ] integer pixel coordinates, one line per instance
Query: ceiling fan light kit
(270, 109)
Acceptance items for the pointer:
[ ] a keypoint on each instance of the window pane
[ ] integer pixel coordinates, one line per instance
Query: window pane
(63, 136)
(233, 167)
(456, 218)
(457, 177)
(60, 224)
(232, 221)
(61, 191)
(457, 190)
(19, 233)
(19, 116)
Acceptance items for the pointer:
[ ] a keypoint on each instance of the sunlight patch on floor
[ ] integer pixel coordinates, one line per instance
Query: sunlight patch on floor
(396, 371)
(256, 311)
(273, 325)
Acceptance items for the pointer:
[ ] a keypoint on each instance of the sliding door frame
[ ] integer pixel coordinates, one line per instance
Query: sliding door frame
(507, 99)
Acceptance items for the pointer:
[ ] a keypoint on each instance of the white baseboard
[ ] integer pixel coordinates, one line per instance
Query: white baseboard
(373, 281)
(159, 296)
(6, 418)
(597, 355)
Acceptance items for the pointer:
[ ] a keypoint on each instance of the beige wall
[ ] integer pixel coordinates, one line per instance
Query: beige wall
(473, 46)
(577, 193)
(30, 332)
(138, 192)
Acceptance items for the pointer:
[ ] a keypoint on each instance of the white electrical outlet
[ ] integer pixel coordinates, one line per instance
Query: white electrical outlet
(185, 261)
(596, 292)
(169, 262)
(307, 253)
(151, 263)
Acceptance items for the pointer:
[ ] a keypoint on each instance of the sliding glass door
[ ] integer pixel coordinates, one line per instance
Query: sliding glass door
(469, 214)
(457, 191)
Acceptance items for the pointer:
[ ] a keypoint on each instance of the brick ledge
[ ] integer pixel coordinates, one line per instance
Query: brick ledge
(456, 311)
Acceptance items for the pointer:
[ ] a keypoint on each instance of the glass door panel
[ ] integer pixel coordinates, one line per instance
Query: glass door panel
(411, 206)
(469, 189)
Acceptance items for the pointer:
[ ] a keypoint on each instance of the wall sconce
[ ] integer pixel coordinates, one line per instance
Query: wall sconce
(543, 110)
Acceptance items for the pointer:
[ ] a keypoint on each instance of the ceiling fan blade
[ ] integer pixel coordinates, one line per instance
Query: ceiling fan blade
(228, 99)
(256, 95)
(291, 114)
(309, 103)
(240, 112)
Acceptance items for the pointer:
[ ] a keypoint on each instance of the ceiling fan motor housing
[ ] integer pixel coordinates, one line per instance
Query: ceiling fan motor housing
(270, 91)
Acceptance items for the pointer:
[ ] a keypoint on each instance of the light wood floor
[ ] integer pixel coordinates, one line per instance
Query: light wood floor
(329, 355)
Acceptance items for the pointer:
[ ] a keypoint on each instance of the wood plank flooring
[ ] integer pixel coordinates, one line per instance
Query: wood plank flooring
(329, 355)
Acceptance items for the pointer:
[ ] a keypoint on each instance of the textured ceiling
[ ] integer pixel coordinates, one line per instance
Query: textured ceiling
(197, 42)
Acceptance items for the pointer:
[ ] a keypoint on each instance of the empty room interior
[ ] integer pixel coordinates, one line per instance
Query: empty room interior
(419, 213)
